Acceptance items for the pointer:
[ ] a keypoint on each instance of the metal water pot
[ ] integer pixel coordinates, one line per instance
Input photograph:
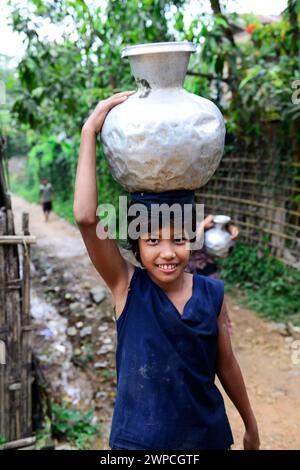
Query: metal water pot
(162, 137)
(217, 240)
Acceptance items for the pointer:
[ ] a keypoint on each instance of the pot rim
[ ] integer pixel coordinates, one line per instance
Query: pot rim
(221, 219)
(155, 47)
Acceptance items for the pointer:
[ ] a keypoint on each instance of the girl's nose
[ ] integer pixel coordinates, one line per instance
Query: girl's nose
(167, 251)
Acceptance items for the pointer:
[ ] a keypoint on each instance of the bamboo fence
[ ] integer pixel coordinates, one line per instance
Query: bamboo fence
(260, 189)
(15, 327)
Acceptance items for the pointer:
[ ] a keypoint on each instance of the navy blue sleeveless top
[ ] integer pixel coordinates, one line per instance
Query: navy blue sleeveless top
(166, 396)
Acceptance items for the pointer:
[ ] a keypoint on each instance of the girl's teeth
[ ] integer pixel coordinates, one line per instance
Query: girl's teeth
(164, 266)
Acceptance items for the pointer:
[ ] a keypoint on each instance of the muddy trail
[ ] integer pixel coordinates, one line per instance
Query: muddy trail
(75, 339)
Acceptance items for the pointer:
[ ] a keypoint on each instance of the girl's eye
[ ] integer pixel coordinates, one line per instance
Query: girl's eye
(179, 240)
(152, 241)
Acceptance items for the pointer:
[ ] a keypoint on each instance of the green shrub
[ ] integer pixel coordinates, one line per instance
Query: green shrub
(271, 288)
(3, 440)
(75, 426)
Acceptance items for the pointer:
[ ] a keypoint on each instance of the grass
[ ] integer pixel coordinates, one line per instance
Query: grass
(267, 285)
(77, 427)
(3, 440)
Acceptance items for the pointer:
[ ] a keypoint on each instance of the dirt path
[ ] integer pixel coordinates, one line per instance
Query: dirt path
(265, 356)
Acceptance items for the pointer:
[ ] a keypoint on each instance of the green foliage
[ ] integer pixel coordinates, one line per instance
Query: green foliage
(271, 288)
(86, 355)
(109, 374)
(64, 209)
(14, 133)
(3, 440)
(74, 425)
(257, 73)
(29, 193)
(55, 159)
(269, 70)
(61, 82)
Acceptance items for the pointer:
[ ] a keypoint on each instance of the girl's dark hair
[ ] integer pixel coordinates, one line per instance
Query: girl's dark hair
(133, 244)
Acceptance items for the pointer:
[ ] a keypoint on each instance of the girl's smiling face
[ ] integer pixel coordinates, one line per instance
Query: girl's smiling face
(164, 254)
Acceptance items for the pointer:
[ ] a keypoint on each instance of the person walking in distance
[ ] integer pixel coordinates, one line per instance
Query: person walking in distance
(46, 196)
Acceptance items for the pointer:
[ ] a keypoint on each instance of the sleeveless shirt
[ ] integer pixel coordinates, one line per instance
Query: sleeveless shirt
(166, 397)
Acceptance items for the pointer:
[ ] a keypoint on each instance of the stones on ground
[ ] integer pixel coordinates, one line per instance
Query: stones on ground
(72, 331)
(55, 289)
(90, 313)
(63, 310)
(98, 294)
(102, 395)
(67, 276)
(293, 330)
(75, 307)
(60, 347)
(101, 365)
(104, 349)
(279, 392)
(83, 317)
(65, 446)
(46, 332)
(107, 340)
(280, 327)
(49, 271)
(86, 331)
(103, 328)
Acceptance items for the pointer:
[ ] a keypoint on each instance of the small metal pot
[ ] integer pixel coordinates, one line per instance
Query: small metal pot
(217, 240)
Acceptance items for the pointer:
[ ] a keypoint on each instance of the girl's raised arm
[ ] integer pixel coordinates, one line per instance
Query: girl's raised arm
(105, 254)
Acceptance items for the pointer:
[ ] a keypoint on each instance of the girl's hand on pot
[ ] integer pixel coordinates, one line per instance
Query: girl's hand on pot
(204, 225)
(208, 222)
(95, 121)
(234, 232)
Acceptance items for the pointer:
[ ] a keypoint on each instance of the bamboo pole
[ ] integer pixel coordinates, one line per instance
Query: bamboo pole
(13, 309)
(26, 338)
(247, 201)
(242, 181)
(18, 444)
(4, 397)
(16, 239)
(256, 215)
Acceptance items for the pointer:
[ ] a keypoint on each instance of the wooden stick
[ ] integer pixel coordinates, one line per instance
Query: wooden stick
(27, 441)
(242, 181)
(249, 202)
(4, 402)
(16, 239)
(26, 339)
(257, 215)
